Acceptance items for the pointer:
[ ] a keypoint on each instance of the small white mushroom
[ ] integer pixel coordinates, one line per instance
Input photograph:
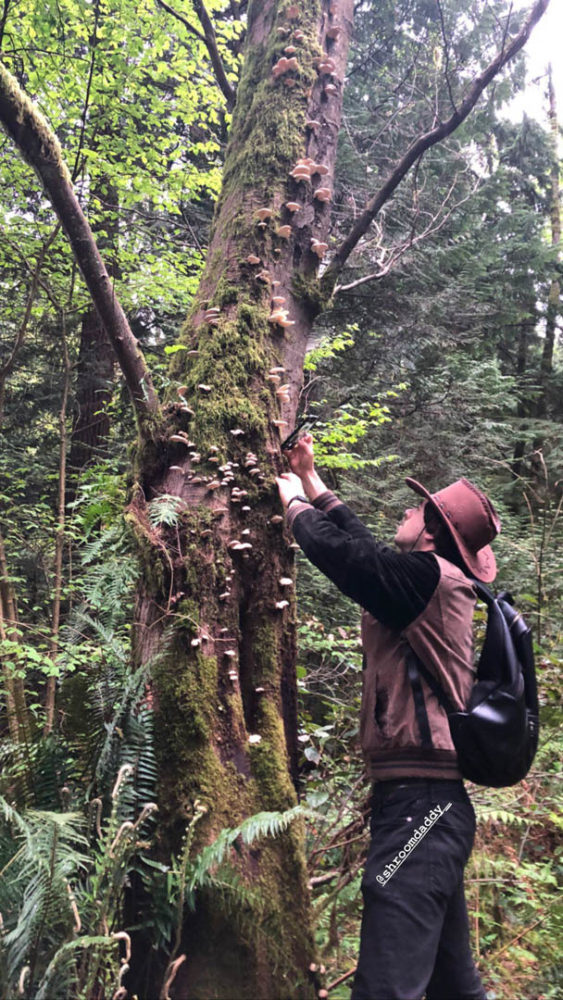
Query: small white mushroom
(237, 431)
(280, 605)
(285, 581)
(276, 519)
(230, 653)
(254, 738)
(196, 642)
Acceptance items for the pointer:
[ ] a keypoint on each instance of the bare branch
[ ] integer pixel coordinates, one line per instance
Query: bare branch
(437, 222)
(426, 141)
(210, 41)
(40, 148)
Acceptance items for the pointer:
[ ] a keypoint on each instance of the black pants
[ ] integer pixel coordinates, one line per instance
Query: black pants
(415, 932)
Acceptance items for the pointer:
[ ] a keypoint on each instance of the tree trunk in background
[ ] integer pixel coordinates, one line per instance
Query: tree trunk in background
(525, 407)
(216, 615)
(96, 358)
(96, 364)
(553, 301)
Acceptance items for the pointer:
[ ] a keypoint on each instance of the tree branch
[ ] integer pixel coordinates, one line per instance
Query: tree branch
(424, 142)
(394, 254)
(217, 62)
(40, 148)
(209, 40)
(183, 20)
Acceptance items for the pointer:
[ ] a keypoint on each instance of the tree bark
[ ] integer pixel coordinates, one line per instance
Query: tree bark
(216, 617)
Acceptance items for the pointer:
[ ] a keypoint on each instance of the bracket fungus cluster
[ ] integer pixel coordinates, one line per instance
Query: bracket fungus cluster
(326, 66)
(319, 248)
(306, 167)
(279, 317)
(211, 315)
(263, 214)
(285, 65)
(323, 194)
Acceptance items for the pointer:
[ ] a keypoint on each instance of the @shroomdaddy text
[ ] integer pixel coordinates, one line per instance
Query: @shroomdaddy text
(413, 842)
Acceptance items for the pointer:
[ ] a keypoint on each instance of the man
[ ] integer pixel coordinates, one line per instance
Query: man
(415, 933)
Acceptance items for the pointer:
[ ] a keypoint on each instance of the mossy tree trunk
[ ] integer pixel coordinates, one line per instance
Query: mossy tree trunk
(216, 616)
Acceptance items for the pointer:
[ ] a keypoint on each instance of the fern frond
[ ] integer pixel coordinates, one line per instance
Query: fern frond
(58, 978)
(165, 509)
(264, 824)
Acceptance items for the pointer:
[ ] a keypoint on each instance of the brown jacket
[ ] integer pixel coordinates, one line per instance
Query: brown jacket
(443, 639)
(417, 598)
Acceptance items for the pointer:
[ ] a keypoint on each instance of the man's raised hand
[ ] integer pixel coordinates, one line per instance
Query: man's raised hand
(300, 457)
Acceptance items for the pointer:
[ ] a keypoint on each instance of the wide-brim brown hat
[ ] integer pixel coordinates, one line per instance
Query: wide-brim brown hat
(471, 520)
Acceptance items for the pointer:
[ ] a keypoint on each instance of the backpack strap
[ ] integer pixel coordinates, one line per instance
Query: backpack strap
(416, 666)
(413, 664)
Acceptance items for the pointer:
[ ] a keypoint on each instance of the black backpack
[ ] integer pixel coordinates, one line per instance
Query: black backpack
(496, 737)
